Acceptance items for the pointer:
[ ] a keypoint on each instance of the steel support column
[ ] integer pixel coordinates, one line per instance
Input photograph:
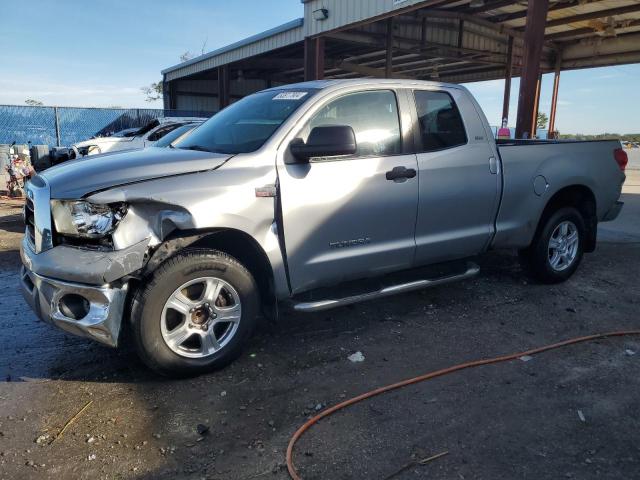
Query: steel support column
(507, 81)
(536, 107)
(554, 96)
(388, 69)
(533, 40)
(313, 58)
(224, 87)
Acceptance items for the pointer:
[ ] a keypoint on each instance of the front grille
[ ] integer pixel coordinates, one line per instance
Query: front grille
(37, 215)
(30, 222)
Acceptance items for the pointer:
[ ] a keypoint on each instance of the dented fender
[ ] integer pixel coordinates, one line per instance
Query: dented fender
(194, 205)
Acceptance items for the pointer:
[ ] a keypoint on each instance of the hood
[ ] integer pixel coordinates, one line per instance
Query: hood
(78, 178)
(103, 141)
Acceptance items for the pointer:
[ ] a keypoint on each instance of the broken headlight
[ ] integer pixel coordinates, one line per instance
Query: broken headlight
(84, 219)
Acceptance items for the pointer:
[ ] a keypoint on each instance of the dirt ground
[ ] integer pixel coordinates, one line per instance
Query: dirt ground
(570, 413)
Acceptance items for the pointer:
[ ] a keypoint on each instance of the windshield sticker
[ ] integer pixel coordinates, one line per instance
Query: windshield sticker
(289, 96)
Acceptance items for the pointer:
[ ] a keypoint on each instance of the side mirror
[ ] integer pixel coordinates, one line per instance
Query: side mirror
(327, 141)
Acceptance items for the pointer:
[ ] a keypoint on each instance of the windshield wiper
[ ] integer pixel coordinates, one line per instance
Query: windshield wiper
(198, 148)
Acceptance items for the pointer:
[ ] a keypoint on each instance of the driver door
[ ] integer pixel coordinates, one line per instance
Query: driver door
(342, 217)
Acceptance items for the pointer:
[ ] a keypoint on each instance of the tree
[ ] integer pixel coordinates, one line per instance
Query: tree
(542, 120)
(33, 103)
(186, 56)
(153, 91)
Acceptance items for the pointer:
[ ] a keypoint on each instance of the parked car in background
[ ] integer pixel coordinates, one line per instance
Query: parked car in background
(127, 132)
(146, 136)
(177, 135)
(313, 195)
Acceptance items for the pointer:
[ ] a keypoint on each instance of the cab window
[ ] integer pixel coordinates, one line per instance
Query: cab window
(440, 121)
(373, 115)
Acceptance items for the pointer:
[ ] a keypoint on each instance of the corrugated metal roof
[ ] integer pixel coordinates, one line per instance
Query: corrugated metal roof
(277, 37)
(459, 41)
(346, 12)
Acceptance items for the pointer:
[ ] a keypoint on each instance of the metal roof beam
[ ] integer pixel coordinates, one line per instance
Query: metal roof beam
(270, 63)
(409, 45)
(502, 29)
(367, 71)
(581, 32)
(487, 7)
(593, 15)
(610, 46)
(523, 13)
(440, 67)
(494, 35)
(602, 60)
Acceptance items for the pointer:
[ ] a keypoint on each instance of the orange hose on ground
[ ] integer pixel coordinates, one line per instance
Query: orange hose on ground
(438, 373)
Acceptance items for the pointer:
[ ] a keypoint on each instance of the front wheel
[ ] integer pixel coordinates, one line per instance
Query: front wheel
(557, 248)
(195, 313)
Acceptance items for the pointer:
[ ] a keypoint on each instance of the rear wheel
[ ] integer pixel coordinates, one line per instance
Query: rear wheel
(557, 248)
(195, 314)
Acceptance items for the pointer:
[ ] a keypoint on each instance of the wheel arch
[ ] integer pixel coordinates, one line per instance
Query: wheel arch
(240, 245)
(583, 199)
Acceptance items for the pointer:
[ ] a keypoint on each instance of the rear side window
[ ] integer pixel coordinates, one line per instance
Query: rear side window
(440, 121)
(373, 115)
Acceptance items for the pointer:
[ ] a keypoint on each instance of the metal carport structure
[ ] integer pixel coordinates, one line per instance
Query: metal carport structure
(447, 40)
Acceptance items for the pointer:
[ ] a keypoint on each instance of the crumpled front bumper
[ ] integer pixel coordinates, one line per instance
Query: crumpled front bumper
(105, 306)
(62, 276)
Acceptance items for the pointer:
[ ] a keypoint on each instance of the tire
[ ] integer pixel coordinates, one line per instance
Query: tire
(539, 260)
(157, 326)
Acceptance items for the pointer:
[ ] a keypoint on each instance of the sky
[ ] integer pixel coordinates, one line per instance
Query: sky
(100, 53)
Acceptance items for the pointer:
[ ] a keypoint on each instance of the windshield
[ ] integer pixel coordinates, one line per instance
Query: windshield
(176, 134)
(247, 124)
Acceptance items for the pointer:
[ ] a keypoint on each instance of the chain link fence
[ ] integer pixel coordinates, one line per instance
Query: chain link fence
(63, 126)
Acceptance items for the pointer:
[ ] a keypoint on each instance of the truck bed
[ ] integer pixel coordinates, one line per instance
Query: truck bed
(535, 170)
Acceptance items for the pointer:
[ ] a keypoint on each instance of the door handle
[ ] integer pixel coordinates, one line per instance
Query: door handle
(493, 165)
(400, 174)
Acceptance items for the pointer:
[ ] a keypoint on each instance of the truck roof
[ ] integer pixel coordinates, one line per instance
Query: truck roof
(324, 84)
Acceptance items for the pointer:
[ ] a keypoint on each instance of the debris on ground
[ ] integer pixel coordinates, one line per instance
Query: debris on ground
(44, 438)
(356, 357)
(581, 416)
(71, 420)
(202, 429)
(629, 352)
(414, 463)
(526, 358)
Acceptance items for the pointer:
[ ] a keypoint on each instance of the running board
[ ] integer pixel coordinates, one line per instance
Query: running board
(326, 304)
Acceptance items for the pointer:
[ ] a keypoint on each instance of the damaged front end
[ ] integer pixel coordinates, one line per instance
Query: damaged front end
(77, 288)
(79, 253)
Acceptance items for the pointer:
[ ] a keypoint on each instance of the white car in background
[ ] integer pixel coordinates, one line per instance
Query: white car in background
(146, 136)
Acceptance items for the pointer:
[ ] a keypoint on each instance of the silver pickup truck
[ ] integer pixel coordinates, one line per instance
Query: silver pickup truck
(312, 196)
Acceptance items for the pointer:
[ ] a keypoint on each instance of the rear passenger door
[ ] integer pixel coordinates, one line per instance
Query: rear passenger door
(459, 182)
